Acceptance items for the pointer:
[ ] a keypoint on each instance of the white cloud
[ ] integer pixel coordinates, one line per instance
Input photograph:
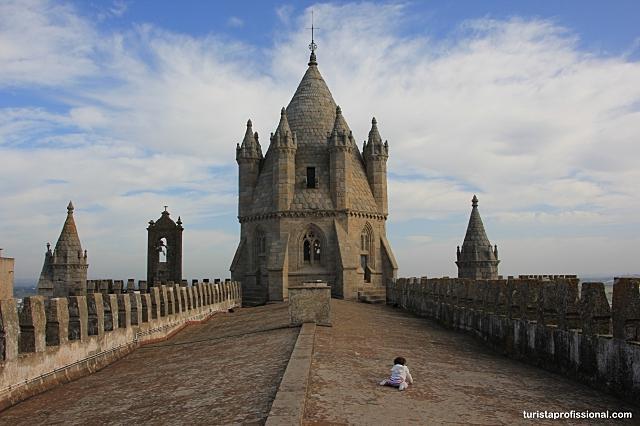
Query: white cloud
(512, 110)
(44, 43)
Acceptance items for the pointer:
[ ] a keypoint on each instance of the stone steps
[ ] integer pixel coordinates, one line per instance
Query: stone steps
(372, 295)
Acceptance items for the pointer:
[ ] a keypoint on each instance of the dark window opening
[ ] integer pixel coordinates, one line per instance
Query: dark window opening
(311, 177)
(311, 249)
(316, 251)
(307, 251)
(364, 262)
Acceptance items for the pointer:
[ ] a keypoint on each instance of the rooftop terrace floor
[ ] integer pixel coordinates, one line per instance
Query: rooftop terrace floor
(457, 379)
(227, 371)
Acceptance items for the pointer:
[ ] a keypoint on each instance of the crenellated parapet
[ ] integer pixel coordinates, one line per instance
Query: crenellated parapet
(552, 321)
(48, 341)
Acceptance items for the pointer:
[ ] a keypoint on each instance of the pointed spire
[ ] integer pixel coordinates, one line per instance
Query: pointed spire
(477, 259)
(374, 134)
(475, 230)
(248, 135)
(68, 242)
(374, 145)
(340, 125)
(249, 148)
(283, 125)
(283, 135)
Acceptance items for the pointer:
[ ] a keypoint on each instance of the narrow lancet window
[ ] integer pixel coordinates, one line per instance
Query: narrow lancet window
(311, 177)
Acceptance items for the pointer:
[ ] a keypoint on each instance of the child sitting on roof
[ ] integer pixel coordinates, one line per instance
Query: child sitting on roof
(400, 375)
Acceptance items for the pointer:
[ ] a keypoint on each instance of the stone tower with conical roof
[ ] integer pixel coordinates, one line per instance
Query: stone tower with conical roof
(478, 259)
(314, 207)
(64, 272)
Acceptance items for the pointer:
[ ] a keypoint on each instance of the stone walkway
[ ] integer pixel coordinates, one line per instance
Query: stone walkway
(226, 370)
(457, 380)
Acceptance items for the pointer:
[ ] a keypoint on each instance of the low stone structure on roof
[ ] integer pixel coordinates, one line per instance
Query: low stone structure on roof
(310, 303)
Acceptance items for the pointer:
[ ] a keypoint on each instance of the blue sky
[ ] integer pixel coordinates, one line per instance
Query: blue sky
(125, 106)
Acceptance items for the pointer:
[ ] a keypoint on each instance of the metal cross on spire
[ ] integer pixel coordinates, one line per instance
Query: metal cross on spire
(312, 46)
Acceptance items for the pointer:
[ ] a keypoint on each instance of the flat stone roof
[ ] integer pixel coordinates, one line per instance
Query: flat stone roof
(226, 370)
(457, 379)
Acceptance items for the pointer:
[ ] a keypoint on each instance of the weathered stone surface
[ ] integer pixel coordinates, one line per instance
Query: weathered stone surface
(314, 207)
(458, 380)
(64, 272)
(254, 345)
(595, 312)
(57, 311)
(477, 259)
(32, 325)
(9, 329)
(164, 239)
(626, 309)
(310, 302)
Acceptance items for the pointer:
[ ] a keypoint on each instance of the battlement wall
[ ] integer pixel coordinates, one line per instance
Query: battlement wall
(112, 286)
(546, 322)
(53, 341)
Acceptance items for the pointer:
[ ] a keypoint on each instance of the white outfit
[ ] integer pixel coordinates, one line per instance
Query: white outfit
(400, 377)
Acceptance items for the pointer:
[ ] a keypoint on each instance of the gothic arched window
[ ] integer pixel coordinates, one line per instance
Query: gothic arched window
(366, 251)
(311, 248)
(162, 248)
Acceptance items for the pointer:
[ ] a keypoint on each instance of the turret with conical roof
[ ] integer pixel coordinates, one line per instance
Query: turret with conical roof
(477, 259)
(64, 272)
(248, 156)
(313, 214)
(283, 148)
(341, 144)
(375, 155)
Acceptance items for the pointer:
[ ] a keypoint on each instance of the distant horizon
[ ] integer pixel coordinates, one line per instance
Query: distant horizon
(582, 278)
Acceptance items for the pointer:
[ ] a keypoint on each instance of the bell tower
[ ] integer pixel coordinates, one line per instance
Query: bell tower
(164, 250)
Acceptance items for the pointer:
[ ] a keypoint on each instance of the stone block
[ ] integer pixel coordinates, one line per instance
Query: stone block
(78, 319)
(112, 300)
(146, 307)
(57, 329)
(155, 303)
(9, 329)
(594, 309)
(625, 309)
(310, 302)
(124, 311)
(95, 314)
(108, 313)
(136, 308)
(32, 318)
